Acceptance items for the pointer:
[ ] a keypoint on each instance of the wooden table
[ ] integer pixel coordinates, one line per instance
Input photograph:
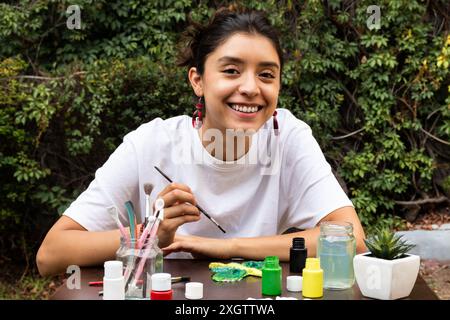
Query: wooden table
(241, 290)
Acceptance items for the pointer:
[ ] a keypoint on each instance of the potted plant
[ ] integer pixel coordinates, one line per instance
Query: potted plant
(387, 272)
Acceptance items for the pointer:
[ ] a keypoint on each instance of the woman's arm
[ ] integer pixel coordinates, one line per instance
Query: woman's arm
(68, 243)
(260, 247)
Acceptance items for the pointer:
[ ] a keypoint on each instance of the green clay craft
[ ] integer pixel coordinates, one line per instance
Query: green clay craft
(254, 264)
(231, 272)
(229, 275)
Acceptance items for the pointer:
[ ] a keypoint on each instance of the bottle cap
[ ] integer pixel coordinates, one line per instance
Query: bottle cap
(298, 243)
(161, 282)
(159, 204)
(271, 262)
(312, 263)
(194, 290)
(113, 269)
(294, 283)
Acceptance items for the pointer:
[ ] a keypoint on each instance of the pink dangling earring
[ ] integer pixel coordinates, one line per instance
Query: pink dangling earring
(197, 116)
(275, 123)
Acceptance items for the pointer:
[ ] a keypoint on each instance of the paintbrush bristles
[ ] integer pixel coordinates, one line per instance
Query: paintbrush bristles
(148, 187)
(112, 210)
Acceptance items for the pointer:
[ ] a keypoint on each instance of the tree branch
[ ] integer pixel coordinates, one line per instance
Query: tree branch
(44, 78)
(422, 201)
(434, 137)
(347, 135)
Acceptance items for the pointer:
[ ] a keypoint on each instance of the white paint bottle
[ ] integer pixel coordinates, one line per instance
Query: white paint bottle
(113, 281)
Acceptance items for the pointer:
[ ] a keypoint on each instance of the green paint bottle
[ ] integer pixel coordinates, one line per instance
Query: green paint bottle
(271, 276)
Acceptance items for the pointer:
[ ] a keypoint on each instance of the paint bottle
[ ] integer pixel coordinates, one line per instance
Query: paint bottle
(194, 290)
(271, 276)
(161, 286)
(312, 279)
(113, 281)
(297, 255)
(294, 283)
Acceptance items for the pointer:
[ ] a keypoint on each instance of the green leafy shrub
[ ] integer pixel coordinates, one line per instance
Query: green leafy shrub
(377, 100)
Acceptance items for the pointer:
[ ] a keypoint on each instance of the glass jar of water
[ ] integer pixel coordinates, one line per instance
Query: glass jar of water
(336, 248)
(139, 263)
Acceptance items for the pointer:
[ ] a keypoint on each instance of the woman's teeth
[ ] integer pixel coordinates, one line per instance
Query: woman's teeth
(243, 108)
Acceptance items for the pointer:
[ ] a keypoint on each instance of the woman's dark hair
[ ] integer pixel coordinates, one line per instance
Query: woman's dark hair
(204, 39)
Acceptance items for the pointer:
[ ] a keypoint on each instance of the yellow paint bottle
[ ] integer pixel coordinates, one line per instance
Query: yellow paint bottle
(312, 279)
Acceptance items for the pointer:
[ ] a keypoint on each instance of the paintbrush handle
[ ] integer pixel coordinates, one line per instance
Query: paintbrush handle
(146, 251)
(198, 207)
(131, 218)
(145, 233)
(210, 218)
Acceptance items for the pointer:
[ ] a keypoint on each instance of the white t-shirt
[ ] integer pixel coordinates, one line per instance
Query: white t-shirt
(282, 182)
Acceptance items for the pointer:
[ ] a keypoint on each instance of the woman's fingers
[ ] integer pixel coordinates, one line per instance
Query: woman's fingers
(177, 216)
(179, 245)
(199, 247)
(176, 193)
(173, 186)
(181, 210)
(173, 247)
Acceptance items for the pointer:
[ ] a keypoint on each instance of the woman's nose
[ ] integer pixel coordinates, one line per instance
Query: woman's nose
(249, 86)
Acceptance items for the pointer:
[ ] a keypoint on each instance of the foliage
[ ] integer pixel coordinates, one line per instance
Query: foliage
(29, 287)
(377, 100)
(387, 245)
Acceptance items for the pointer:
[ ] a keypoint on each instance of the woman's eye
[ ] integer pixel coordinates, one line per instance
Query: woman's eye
(267, 75)
(230, 71)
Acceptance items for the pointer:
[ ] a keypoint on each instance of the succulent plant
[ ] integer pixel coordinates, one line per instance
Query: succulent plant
(384, 244)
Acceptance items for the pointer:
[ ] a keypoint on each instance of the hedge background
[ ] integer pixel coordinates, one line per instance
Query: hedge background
(377, 100)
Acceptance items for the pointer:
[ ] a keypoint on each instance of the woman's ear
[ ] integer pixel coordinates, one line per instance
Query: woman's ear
(196, 81)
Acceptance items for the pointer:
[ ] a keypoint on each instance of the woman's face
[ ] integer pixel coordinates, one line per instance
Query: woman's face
(240, 83)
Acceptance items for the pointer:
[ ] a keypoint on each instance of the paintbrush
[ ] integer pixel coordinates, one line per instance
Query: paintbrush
(198, 207)
(132, 219)
(159, 205)
(148, 187)
(180, 279)
(115, 215)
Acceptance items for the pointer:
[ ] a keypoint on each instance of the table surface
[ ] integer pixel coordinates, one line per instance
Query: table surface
(241, 290)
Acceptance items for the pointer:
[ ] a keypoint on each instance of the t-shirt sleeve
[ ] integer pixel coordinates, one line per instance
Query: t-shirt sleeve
(311, 189)
(116, 182)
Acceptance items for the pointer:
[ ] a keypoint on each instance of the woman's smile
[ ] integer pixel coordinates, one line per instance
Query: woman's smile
(244, 110)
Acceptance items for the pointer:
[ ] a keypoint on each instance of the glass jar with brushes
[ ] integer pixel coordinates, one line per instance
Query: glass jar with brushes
(336, 249)
(140, 260)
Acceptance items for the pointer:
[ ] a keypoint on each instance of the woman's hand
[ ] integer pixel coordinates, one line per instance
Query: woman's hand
(201, 247)
(176, 211)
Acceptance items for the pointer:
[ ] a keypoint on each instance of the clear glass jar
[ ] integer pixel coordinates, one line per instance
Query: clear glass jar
(336, 249)
(138, 266)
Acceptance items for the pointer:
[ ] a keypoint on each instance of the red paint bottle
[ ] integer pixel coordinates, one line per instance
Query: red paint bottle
(161, 286)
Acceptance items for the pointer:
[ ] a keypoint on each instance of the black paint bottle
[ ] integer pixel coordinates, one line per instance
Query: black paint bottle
(297, 255)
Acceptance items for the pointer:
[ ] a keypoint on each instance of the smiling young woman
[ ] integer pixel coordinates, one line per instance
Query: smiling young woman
(234, 64)
(240, 86)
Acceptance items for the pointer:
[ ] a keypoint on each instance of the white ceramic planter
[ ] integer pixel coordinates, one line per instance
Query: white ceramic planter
(386, 279)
